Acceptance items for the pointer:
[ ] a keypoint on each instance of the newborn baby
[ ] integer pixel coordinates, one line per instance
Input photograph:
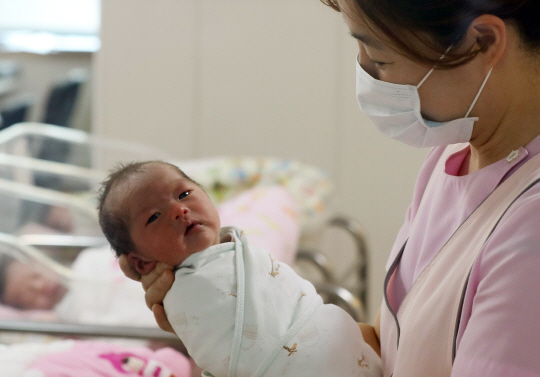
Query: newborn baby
(27, 286)
(238, 311)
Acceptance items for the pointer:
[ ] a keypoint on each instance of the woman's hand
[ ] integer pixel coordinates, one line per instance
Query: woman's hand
(370, 337)
(127, 269)
(377, 325)
(372, 334)
(156, 285)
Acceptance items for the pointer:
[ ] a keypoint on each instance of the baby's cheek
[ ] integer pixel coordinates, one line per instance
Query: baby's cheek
(42, 303)
(29, 299)
(59, 293)
(44, 295)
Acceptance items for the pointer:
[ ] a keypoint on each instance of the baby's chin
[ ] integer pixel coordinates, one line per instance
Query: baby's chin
(176, 257)
(204, 242)
(196, 250)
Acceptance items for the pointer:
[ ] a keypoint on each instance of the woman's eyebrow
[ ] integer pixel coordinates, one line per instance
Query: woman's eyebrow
(367, 40)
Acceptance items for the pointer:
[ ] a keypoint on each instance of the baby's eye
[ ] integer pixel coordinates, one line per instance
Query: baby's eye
(153, 218)
(183, 195)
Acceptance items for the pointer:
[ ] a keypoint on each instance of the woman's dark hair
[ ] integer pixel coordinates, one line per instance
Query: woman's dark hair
(113, 224)
(424, 29)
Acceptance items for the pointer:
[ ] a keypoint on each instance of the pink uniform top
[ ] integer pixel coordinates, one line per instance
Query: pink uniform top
(499, 331)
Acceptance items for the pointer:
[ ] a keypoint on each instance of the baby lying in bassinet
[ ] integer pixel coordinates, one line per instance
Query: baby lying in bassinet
(26, 286)
(237, 310)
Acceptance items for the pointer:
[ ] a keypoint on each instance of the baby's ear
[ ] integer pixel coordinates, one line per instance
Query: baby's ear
(143, 265)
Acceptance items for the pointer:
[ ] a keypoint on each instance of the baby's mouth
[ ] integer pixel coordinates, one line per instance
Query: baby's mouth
(191, 228)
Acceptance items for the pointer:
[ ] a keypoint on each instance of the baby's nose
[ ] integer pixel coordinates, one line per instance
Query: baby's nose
(179, 210)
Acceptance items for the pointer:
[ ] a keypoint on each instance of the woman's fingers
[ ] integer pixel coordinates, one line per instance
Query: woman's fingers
(155, 293)
(149, 279)
(368, 333)
(156, 284)
(377, 325)
(127, 269)
(161, 318)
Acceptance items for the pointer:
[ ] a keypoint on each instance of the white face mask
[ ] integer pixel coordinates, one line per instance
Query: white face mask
(395, 111)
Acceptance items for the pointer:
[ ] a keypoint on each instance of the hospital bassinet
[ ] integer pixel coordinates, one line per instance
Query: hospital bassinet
(47, 169)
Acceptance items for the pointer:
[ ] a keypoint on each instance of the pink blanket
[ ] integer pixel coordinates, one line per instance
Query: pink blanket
(98, 359)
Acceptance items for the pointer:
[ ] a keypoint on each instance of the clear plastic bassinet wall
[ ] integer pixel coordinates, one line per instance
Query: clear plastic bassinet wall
(49, 177)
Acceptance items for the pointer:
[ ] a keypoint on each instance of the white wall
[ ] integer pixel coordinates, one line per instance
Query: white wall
(211, 77)
(72, 16)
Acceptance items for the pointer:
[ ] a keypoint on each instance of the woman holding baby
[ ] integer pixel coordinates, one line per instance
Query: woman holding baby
(461, 77)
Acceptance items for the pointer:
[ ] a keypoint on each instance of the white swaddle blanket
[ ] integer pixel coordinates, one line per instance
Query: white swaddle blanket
(241, 313)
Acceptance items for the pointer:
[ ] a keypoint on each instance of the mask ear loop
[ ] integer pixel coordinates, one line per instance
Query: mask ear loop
(425, 77)
(432, 69)
(478, 94)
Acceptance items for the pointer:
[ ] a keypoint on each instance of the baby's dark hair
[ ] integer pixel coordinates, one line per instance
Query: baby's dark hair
(114, 226)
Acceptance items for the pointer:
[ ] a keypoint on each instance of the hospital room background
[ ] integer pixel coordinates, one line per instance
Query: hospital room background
(199, 79)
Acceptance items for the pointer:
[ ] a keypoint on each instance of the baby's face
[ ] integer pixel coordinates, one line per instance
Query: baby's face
(169, 216)
(29, 287)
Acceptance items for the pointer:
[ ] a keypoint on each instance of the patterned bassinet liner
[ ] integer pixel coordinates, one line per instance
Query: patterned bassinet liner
(227, 177)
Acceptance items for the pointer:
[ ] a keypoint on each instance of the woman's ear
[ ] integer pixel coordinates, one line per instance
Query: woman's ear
(490, 32)
(143, 265)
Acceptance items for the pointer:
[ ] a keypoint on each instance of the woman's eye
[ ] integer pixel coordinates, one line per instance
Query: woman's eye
(183, 195)
(378, 64)
(153, 217)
